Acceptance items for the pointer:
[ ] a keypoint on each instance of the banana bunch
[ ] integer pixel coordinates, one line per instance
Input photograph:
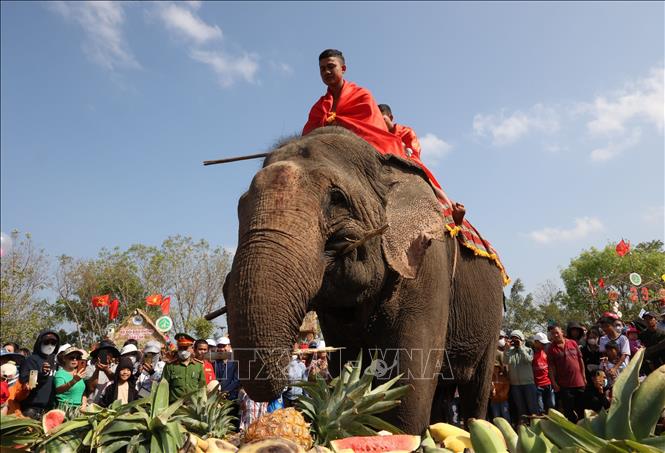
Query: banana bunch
(444, 438)
(195, 444)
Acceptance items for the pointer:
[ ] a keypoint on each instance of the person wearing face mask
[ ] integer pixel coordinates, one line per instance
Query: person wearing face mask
(500, 382)
(185, 375)
(132, 353)
(591, 353)
(10, 363)
(152, 368)
(41, 366)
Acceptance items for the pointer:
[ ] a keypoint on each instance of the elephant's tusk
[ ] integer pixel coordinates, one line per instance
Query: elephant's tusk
(355, 244)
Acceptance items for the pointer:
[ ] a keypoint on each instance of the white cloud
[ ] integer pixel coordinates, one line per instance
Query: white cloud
(654, 215)
(188, 24)
(583, 227)
(434, 148)
(505, 130)
(102, 22)
(228, 68)
(641, 100)
(614, 148)
(281, 67)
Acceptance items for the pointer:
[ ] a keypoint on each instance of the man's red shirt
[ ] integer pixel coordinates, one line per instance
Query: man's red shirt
(409, 138)
(566, 359)
(358, 111)
(540, 369)
(208, 371)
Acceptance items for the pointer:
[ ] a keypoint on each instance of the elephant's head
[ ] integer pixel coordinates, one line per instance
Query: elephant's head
(325, 223)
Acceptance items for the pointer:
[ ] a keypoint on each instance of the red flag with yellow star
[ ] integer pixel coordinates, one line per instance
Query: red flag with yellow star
(101, 301)
(154, 299)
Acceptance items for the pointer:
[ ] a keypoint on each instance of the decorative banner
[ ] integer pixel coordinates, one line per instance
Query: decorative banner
(633, 294)
(644, 291)
(101, 301)
(613, 296)
(663, 277)
(601, 282)
(166, 305)
(113, 309)
(592, 290)
(635, 279)
(622, 248)
(164, 324)
(154, 299)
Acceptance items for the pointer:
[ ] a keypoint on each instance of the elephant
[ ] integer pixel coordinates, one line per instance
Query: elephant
(331, 225)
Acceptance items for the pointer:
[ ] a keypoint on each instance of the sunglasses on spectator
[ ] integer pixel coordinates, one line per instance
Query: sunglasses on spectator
(53, 342)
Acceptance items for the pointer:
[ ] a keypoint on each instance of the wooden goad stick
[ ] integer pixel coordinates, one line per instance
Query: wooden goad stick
(235, 159)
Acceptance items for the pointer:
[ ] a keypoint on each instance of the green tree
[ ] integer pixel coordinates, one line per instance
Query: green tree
(23, 278)
(191, 272)
(584, 271)
(520, 310)
(78, 281)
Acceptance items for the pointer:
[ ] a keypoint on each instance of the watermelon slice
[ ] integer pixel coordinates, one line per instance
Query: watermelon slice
(358, 444)
(52, 419)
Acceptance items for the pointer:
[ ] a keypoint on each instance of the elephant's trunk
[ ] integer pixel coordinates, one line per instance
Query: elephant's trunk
(277, 269)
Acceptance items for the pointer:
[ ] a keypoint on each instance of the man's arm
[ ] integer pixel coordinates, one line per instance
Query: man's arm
(581, 363)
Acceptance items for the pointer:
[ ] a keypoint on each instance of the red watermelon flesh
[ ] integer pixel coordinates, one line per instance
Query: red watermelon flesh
(52, 419)
(401, 442)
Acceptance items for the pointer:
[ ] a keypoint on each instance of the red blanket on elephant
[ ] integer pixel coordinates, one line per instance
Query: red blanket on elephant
(357, 111)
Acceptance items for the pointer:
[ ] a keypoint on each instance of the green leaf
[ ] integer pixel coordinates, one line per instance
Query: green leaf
(647, 403)
(617, 425)
(581, 437)
(160, 400)
(658, 442)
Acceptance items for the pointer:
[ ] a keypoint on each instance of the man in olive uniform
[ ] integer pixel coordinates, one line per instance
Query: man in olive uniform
(184, 375)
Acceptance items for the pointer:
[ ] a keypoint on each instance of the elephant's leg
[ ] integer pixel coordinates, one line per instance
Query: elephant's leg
(475, 393)
(475, 321)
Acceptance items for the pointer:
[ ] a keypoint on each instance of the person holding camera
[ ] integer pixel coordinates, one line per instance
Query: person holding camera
(69, 379)
(37, 374)
(152, 368)
(523, 390)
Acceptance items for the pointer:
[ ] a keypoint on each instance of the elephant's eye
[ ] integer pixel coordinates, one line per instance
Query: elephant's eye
(338, 198)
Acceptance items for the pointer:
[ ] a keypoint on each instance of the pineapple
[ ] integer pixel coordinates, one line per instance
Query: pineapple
(284, 423)
(347, 406)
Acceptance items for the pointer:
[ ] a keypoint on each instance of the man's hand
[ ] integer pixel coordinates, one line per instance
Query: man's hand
(148, 368)
(556, 387)
(46, 368)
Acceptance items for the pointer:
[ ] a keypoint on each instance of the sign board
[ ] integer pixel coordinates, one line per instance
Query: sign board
(164, 324)
(138, 326)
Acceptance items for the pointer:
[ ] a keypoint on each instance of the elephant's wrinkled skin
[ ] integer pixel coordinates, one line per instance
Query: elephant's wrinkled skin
(393, 292)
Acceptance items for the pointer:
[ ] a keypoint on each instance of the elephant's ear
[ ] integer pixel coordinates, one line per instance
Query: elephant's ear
(414, 220)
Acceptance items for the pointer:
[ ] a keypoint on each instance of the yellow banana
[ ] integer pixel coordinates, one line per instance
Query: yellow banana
(440, 431)
(457, 443)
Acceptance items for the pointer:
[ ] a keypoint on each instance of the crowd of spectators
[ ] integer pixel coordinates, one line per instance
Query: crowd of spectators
(62, 376)
(572, 369)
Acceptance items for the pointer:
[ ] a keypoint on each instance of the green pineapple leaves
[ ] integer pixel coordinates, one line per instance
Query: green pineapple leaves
(348, 405)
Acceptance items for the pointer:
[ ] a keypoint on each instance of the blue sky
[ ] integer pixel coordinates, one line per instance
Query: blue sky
(545, 120)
